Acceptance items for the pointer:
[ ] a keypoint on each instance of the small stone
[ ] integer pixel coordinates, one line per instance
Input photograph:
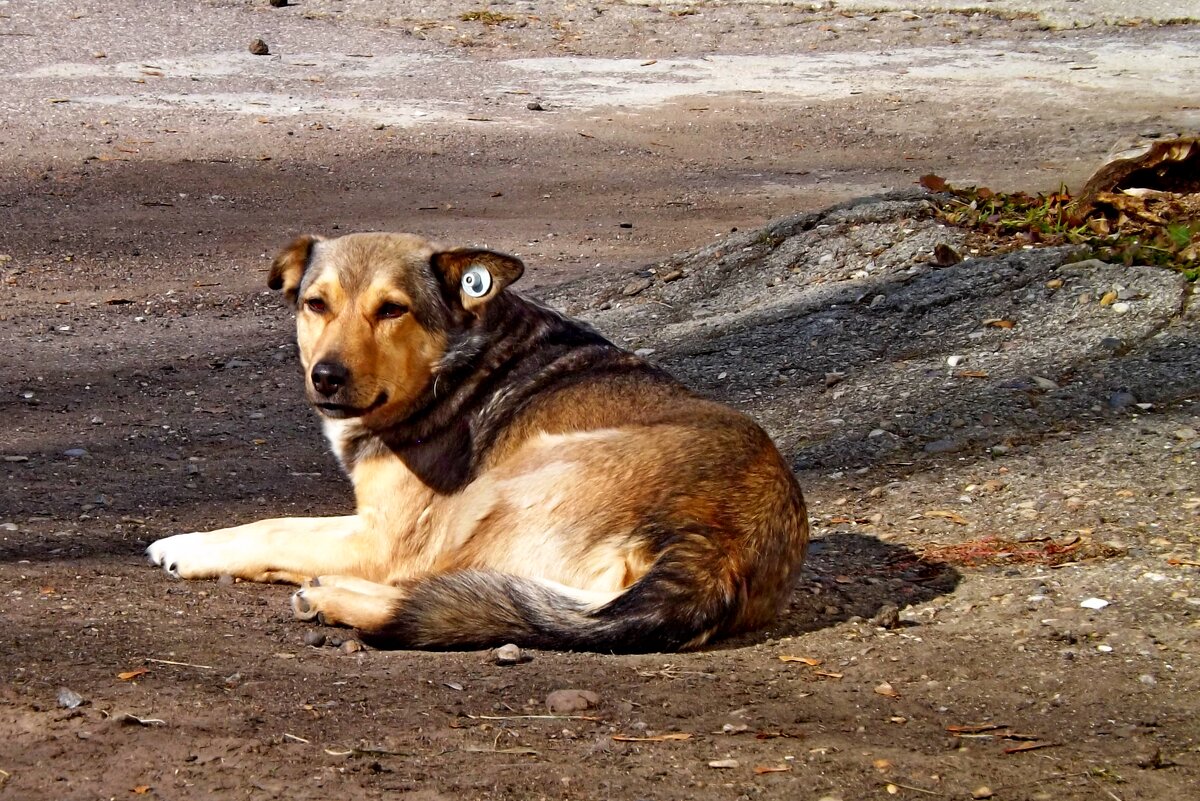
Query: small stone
(351, 646)
(833, 379)
(946, 256)
(1054, 283)
(1147, 680)
(672, 275)
(947, 445)
(636, 287)
(8, 527)
(566, 702)
(259, 48)
(1122, 398)
(1093, 603)
(278, 3)
(75, 453)
(509, 655)
(314, 639)
(724, 764)
(955, 361)
(1044, 384)
(643, 352)
(1112, 343)
(887, 617)
(535, 106)
(69, 699)
(983, 791)
(999, 450)
(1186, 434)
(876, 433)
(1120, 307)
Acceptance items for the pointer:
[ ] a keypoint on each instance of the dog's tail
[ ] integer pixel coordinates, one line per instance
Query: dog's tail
(697, 590)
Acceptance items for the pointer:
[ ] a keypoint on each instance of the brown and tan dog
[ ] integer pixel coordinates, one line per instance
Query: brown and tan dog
(518, 478)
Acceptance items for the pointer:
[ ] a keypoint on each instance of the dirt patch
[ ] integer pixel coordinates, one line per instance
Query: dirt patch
(965, 512)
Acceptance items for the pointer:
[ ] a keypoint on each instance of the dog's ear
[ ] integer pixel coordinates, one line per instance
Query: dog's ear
(288, 268)
(475, 276)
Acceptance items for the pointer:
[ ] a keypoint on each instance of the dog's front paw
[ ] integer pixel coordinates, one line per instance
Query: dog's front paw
(184, 556)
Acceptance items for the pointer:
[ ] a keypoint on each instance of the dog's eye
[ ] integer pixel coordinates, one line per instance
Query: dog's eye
(315, 305)
(390, 311)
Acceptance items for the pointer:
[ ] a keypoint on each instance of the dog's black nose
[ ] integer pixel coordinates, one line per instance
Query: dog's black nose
(329, 377)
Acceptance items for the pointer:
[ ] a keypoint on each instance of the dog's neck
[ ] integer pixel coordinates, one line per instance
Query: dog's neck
(494, 365)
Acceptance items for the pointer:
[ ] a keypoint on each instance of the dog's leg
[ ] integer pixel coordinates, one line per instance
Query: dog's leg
(290, 549)
(347, 601)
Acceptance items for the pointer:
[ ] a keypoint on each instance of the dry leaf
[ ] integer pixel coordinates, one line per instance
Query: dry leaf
(807, 660)
(130, 675)
(882, 765)
(827, 674)
(142, 789)
(1016, 749)
(948, 514)
(933, 183)
(971, 374)
(886, 690)
(996, 322)
(761, 769)
(1108, 298)
(657, 738)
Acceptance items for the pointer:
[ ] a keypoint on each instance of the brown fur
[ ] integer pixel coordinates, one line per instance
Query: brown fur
(517, 477)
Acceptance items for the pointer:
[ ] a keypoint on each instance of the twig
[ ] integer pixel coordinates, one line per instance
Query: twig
(181, 664)
(296, 739)
(914, 789)
(536, 717)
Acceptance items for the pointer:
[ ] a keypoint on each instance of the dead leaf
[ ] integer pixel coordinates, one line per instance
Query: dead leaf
(806, 660)
(933, 183)
(972, 374)
(1017, 749)
(948, 514)
(828, 674)
(882, 765)
(130, 675)
(886, 690)
(761, 769)
(657, 738)
(141, 789)
(996, 322)
(1108, 298)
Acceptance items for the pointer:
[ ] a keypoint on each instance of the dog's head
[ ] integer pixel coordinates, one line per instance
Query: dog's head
(376, 312)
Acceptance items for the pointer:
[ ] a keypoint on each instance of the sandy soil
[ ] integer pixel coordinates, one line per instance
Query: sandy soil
(149, 166)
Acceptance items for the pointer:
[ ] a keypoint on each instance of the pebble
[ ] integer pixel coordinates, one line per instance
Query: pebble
(673, 275)
(887, 617)
(565, 702)
(8, 527)
(1122, 398)
(724, 763)
(1112, 343)
(1148, 680)
(1044, 383)
(259, 48)
(278, 3)
(1120, 307)
(314, 639)
(983, 791)
(351, 646)
(1093, 603)
(510, 655)
(69, 699)
(75, 453)
(833, 379)
(955, 361)
(947, 445)
(535, 106)
(636, 286)
(1185, 434)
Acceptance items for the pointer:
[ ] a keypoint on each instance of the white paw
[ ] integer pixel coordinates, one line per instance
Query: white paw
(182, 555)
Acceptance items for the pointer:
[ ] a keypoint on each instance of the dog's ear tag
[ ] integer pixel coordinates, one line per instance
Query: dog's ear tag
(476, 281)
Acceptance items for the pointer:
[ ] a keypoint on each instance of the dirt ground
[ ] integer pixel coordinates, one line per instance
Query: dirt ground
(149, 167)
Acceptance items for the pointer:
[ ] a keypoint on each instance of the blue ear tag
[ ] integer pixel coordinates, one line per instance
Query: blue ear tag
(476, 281)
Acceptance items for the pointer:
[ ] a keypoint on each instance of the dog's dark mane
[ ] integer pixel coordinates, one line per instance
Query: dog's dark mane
(515, 350)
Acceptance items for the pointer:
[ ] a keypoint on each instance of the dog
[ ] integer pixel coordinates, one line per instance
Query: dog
(518, 478)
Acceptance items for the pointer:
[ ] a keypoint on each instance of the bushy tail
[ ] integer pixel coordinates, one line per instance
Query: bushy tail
(694, 592)
(677, 604)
